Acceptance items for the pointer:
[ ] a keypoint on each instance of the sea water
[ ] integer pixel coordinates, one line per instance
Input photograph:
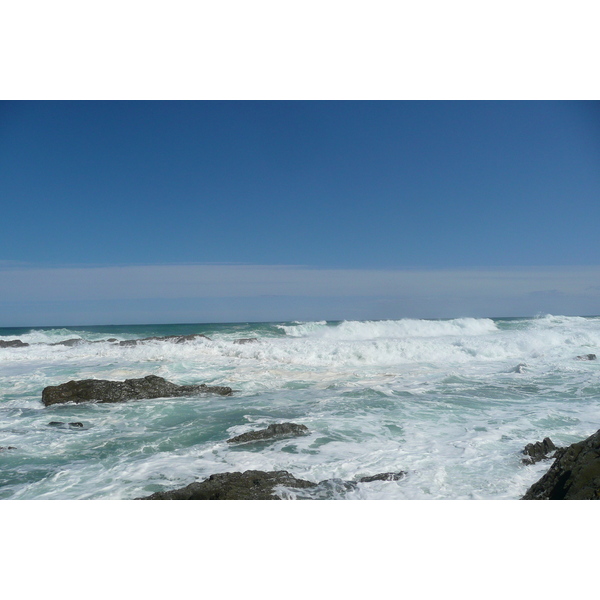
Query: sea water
(452, 403)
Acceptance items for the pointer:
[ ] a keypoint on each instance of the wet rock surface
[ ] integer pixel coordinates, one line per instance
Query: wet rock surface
(586, 357)
(76, 424)
(176, 339)
(392, 476)
(101, 390)
(538, 451)
(260, 485)
(249, 485)
(574, 475)
(8, 448)
(245, 341)
(12, 344)
(274, 431)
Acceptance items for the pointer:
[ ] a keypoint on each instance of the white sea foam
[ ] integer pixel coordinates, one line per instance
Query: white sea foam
(442, 400)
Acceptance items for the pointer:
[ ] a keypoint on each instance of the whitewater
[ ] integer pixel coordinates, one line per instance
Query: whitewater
(452, 403)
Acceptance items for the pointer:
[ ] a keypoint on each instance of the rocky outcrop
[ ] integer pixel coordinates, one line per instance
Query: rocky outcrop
(101, 390)
(277, 430)
(574, 475)
(259, 485)
(245, 341)
(249, 485)
(76, 424)
(71, 342)
(586, 357)
(538, 451)
(12, 344)
(176, 339)
(8, 448)
(392, 476)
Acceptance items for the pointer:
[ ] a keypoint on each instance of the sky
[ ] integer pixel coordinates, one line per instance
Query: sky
(205, 211)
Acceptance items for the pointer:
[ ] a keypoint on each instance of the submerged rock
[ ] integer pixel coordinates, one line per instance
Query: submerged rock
(276, 430)
(249, 485)
(538, 451)
(61, 423)
(392, 476)
(587, 357)
(8, 448)
(71, 342)
(13, 344)
(176, 339)
(520, 368)
(101, 390)
(574, 475)
(245, 341)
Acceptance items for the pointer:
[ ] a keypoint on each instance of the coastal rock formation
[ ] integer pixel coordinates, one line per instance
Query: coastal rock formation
(586, 357)
(12, 344)
(61, 423)
(245, 341)
(101, 390)
(71, 342)
(249, 485)
(574, 475)
(176, 339)
(277, 430)
(538, 451)
(392, 476)
(259, 485)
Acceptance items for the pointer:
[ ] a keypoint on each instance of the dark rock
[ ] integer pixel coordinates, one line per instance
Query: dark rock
(250, 485)
(101, 390)
(538, 451)
(587, 357)
(245, 341)
(56, 423)
(277, 430)
(176, 339)
(383, 477)
(111, 340)
(12, 344)
(76, 424)
(8, 448)
(71, 342)
(574, 475)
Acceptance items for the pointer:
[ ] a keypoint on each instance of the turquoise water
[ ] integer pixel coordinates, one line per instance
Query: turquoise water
(452, 402)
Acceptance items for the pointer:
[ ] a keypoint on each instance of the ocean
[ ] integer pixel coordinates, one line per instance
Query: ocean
(452, 403)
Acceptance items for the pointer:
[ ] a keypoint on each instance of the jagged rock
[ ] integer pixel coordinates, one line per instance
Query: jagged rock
(574, 475)
(249, 485)
(245, 341)
(587, 357)
(101, 390)
(176, 339)
(276, 430)
(12, 344)
(71, 342)
(383, 477)
(538, 451)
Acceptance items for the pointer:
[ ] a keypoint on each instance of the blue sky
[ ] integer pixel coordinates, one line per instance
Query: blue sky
(250, 210)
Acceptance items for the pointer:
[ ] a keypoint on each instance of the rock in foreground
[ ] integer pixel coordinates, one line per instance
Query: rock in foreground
(249, 485)
(277, 430)
(101, 390)
(574, 475)
(538, 451)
